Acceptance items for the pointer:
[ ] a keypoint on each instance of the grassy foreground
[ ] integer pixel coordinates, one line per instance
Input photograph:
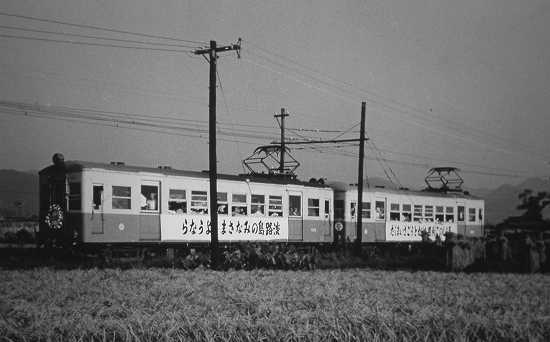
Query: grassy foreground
(165, 304)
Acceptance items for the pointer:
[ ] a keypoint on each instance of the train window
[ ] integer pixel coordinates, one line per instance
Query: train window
(380, 208)
(275, 206)
(449, 214)
(429, 213)
(177, 201)
(471, 214)
(480, 214)
(395, 214)
(97, 197)
(327, 208)
(294, 205)
(366, 210)
(75, 196)
(223, 205)
(439, 214)
(149, 197)
(460, 213)
(199, 202)
(122, 197)
(406, 213)
(312, 207)
(353, 209)
(257, 205)
(239, 206)
(417, 214)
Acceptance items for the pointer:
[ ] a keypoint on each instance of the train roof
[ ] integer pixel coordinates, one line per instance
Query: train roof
(78, 166)
(340, 186)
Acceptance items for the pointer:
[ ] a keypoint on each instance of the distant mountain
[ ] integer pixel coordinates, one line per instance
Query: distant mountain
(18, 193)
(501, 202)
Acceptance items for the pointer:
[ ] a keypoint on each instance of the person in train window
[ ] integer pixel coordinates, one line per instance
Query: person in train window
(142, 201)
(152, 201)
(222, 209)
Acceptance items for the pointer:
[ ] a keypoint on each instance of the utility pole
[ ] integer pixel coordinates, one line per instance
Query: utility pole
(282, 154)
(213, 171)
(360, 179)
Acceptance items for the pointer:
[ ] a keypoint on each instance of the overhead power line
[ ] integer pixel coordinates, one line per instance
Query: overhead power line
(100, 28)
(92, 44)
(94, 37)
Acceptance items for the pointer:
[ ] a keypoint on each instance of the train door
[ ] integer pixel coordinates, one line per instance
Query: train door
(326, 223)
(295, 216)
(461, 218)
(380, 216)
(339, 230)
(97, 218)
(149, 216)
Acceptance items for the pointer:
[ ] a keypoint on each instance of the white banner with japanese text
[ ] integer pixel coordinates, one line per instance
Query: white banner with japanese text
(412, 231)
(230, 228)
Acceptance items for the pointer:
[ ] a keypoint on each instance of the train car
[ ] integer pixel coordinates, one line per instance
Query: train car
(402, 215)
(115, 204)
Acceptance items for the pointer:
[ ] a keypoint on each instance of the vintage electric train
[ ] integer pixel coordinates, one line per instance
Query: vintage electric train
(99, 204)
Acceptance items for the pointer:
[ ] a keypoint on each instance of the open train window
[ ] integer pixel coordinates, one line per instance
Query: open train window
(380, 207)
(353, 209)
(449, 214)
(429, 213)
(257, 205)
(471, 214)
(366, 210)
(406, 213)
(177, 201)
(275, 206)
(439, 214)
(199, 202)
(460, 213)
(294, 205)
(417, 214)
(223, 205)
(149, 197)
(395, 214)
(75, 196)
(239, 206)
(312, 207)
(97, 197)
(122, 197)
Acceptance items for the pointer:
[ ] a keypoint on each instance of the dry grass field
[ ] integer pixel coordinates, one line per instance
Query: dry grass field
(348, 305)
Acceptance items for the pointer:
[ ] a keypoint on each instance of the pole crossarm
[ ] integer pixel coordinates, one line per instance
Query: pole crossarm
(320, 141)
(236, 47)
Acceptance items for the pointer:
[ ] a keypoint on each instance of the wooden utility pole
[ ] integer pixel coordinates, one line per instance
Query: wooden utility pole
(282, 154)
(213, 170)
(359, 228)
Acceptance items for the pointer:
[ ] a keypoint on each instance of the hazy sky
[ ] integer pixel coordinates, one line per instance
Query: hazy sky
(453, 83)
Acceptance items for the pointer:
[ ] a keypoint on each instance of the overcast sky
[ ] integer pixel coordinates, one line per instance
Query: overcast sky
(447, 83)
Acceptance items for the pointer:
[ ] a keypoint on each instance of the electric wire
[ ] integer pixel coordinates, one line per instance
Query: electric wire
(100, 28)
(93, 37)
(91, 44)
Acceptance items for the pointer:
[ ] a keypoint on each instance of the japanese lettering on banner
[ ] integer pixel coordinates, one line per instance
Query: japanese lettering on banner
(412, 231)
(230, 228)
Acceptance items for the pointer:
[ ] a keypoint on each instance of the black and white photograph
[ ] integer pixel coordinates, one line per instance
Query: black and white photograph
(355, 170)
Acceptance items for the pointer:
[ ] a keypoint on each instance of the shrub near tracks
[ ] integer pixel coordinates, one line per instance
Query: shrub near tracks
(149, 305)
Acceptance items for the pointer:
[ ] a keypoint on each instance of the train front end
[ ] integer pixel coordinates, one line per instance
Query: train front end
(57, 227)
